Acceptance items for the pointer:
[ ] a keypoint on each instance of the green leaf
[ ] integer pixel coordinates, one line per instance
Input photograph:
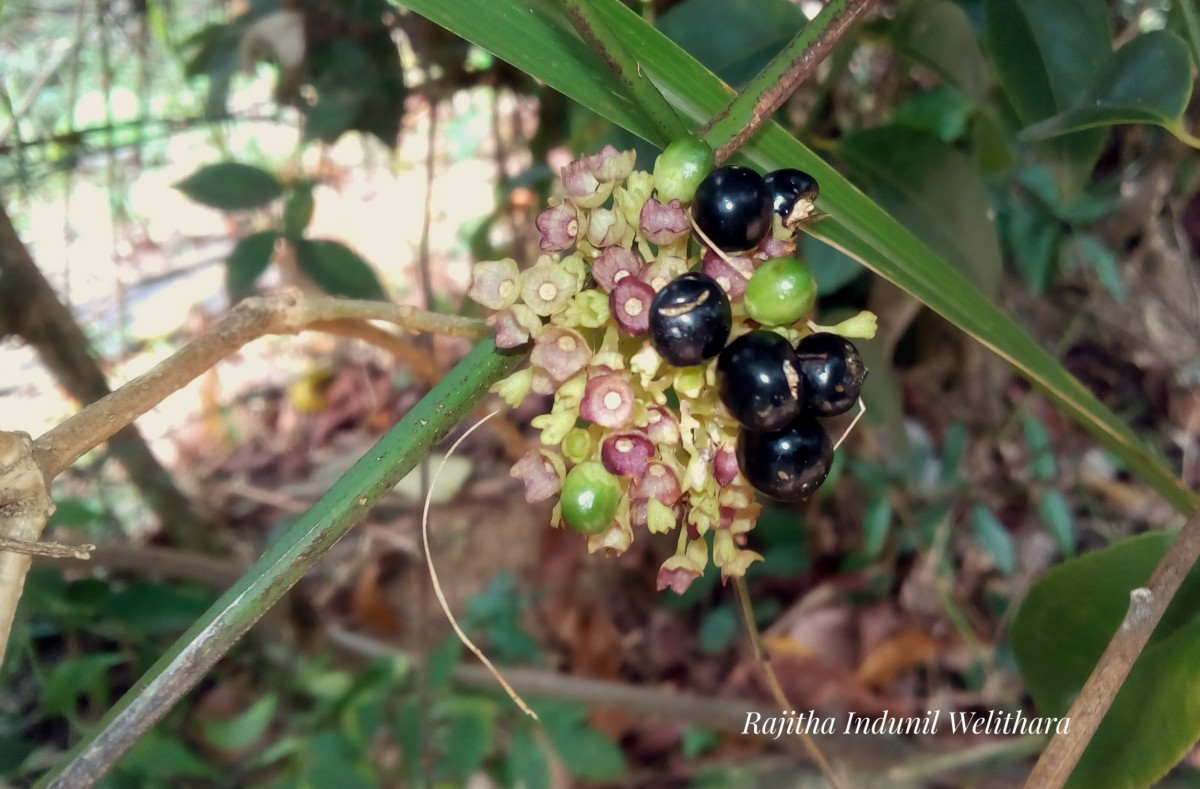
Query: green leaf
(1149, 80)
(1064, 625)
(248, 260)
(74, 512)
(298, 210)
(152, 608)
(876, 525)
(1046, 55)
(470, 736)
(719, 629)
(989, 144)
(1038, 448)
(241, 731)
(1033, 239)
(994, 539)
(937, 34)
(752, 31)
(943, 112)
(831, 268)
(1102, 260)
(586, 753)
(231, 186)
(526, 763)
(932, 189)
(75, 677)
(159, 756)
(1057, 516)
(338, 270)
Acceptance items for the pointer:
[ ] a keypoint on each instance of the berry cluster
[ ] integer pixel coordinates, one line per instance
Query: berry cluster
(659, 421)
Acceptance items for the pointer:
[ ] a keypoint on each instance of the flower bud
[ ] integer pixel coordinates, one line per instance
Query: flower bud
(514, 326)
(663, 224)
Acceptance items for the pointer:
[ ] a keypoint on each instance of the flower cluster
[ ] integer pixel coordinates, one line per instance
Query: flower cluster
(631, 442)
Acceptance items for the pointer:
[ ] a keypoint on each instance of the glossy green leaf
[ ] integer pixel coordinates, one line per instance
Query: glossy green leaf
(1046, 55)
(932, 189)
(831, 268)
(1039, 451)
(994, 539)
(1149, 80)
(1064, 625)
(943, 111)
(338, 270)
(938, 34)
(249, 259)
(231, 186)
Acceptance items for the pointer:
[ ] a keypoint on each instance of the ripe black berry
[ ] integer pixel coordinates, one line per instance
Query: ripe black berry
(733, 208)
(690, 319)
(787, 464)
(758, 382)
(788, 189)
(833, 373)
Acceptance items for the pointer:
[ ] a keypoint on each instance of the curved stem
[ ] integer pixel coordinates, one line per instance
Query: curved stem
(195, 653)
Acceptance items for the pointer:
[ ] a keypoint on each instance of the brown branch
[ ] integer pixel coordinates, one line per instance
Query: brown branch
(49, 550)
(30, 308)
(64, 444)
(1146, 607)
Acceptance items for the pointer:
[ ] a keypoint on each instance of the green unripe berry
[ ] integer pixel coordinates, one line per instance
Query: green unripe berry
(680, 168)
(780, 292)
(590, 495)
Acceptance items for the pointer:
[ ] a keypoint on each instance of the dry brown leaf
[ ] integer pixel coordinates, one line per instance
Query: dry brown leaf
(894, 656)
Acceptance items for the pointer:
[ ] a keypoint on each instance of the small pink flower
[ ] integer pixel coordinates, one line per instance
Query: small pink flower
(663, 224)
(614, 264)
(559, 226)
(607, 401)
(542, 472)
(560, 352)
(629, 303)
(626, 454)
(513, 326)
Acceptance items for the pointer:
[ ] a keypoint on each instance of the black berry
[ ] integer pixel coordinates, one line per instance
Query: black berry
(789, 188)
(787, 464)
(832, 371)
(758, 382)
(690, 319)
(733, 208)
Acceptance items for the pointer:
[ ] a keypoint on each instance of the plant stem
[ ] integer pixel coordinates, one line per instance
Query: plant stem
(656, 109)
(733, 126)
(351, 497)
(1146, 607)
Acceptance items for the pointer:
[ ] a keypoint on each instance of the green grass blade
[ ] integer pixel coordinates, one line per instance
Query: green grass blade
(534, 36)
(197, 650)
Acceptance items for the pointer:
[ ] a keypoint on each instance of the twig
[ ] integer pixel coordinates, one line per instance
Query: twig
(656, 109)
(1146, 607)
(764, 661)
(252, 318)
(731, 128)
(49, 550)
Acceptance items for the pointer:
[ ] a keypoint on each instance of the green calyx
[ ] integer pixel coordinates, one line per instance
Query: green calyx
(680, 168)
(780, 292)
(590, 495)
